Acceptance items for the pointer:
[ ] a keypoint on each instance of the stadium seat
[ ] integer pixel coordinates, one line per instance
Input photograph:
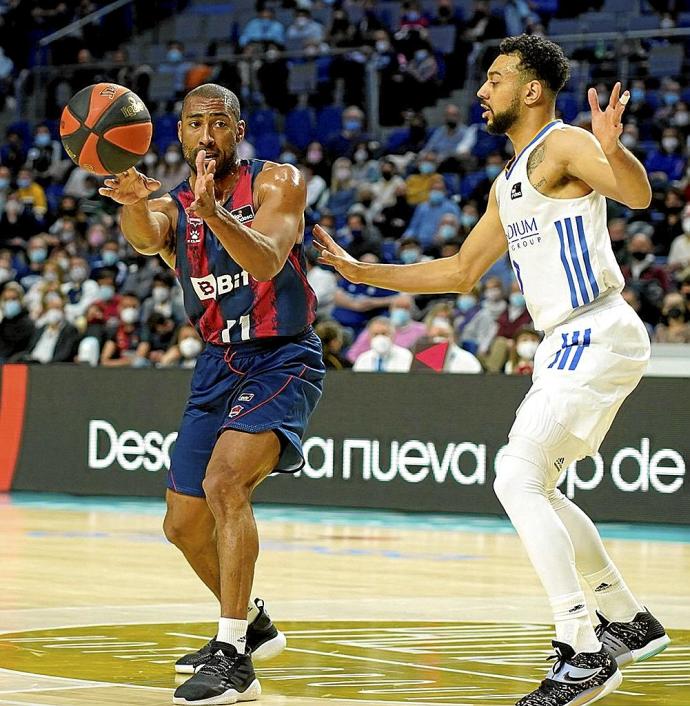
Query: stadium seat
(442, 38)
(261, 121)
(299, 127)
(665, 60)
(268, 145)
(328, 121)
(302, 78)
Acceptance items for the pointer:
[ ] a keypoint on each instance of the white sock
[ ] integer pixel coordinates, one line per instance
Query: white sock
(573, 625)
(614, 598)
(252, 613)
(233, 632)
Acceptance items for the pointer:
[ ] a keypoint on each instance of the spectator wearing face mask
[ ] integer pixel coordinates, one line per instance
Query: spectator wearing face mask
(332, 338)
(263, 28)
(674, 327)
(13, 151)
(476, 320)
(384, 190)
(364, 167)
(427, 216)
(393, 220)
(108, 301)
(352, 133)
(469, 215)
(419, 183)
(127, 346)
(525, 343)
(186, 349)
(317, 192)
(109, 257)
(421, 77)
(31, 193)
(343, 190)
(649, 280)
(410, 251)
(55, 340)
(666, 230)
(159, 333)
(51, 281)
(171, 169)
(8, 272)
(79, 290)
(17, 223)
(445, 139)
(406, 331)
(304, 29)
(457, 360)
(45, 157)
(448, 230)
(384, 356)
(176, 64)
(492, 168)
(162, 300)
(358, 238)
(16, 326)
(36, 254)
(315, 158)
(679, 252)
(668, 160)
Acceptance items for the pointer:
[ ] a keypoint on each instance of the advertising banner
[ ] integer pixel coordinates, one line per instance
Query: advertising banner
(417, 441)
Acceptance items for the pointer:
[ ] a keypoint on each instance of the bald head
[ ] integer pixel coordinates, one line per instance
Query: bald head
(213, 90)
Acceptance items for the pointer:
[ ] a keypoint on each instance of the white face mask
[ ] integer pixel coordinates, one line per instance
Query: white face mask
(53, 317)
(189, 347)
(493, 294)
(686, 226)
(669, 143)
(160, 294)
(129, 315)
(527, 349)
(381, 344)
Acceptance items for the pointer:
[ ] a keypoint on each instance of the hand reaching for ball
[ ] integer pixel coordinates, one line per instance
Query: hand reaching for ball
(129, 187)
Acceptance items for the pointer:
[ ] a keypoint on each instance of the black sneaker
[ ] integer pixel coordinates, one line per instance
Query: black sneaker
(264, 641)
(643, 637)
(575, 679)
(226, 678)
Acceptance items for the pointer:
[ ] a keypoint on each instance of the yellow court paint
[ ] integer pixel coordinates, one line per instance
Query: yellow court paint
(362, 662)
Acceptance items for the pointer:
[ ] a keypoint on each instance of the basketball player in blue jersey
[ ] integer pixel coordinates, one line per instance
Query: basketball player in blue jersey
(548, 210)
(233, 232)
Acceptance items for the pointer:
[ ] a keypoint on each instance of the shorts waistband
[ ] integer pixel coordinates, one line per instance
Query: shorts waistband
(608, 300)
(259, 344)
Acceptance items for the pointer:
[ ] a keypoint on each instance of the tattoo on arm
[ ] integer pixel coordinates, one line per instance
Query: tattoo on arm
(540, 184)
(536, 158)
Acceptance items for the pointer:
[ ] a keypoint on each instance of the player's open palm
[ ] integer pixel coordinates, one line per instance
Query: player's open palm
(204, 204)
(129, 187)
(330, 253)
(606, 124)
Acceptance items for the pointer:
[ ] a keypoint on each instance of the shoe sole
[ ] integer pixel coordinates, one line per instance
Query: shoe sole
(614, 681)
(644, 653)
(251, 693)
(184, 669)
(270, 649)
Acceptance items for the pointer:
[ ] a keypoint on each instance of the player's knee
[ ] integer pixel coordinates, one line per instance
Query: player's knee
(226, 488)
(177, 530)
(520, 470)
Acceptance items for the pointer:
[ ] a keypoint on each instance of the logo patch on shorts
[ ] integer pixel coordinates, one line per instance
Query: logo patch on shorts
(235, 410)
(246, 397)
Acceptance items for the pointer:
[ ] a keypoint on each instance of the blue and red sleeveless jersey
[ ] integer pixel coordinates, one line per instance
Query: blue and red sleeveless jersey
(224, 302)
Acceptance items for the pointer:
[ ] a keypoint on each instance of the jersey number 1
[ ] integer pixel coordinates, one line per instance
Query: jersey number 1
(244, 329)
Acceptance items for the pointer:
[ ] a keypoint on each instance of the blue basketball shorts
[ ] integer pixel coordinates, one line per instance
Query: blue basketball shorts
(263, 386)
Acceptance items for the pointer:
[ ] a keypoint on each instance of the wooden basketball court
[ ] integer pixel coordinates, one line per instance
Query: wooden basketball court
(379, 607)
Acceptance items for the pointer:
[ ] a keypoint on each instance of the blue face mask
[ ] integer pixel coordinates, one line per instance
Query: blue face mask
(4, 183)
(465, 302)
(671, 98)
(352, 125)
(23, 183)
(427, 168)
(407, 257)
(106, 292)
(436, 197)
(493, 170)
(174, 56)
(11, 308)
(637, 94)
(43, 139)
(467, 220)
(400, 317)
(421, 54)
(39, 255)
(110, 257)
(447, 231)
(517, 299)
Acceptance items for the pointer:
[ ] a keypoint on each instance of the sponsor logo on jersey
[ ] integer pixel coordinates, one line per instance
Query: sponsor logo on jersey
(195, 230)
(246, 397)
(523, 233)
(212, 287)
(516, 191)
(243, 213)
(235, 410)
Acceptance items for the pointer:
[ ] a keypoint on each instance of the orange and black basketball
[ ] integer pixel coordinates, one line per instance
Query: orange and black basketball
(105, 128)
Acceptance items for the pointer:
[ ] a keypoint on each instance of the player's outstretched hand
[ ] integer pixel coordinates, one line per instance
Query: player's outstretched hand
(129, 187)
(330, 253)
(606, 124)
(204, 204)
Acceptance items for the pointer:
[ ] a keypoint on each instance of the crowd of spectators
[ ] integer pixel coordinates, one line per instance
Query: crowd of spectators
(72, 290)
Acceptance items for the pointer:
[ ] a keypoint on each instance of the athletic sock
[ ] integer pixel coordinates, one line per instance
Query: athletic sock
(614, 598)
(233, 632)
(252, 613)
(573, 625)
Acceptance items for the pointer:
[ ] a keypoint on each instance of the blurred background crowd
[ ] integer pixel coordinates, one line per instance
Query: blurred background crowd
(374, 103)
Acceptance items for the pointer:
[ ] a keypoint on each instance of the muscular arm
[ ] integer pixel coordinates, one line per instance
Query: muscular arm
(147, 227)
(459, 273)
(263, 249)
(617, 174)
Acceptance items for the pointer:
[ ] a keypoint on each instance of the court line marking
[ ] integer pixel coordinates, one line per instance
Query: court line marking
(81, 683)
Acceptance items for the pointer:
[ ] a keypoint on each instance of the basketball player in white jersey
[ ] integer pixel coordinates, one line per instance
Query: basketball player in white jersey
(548, 210)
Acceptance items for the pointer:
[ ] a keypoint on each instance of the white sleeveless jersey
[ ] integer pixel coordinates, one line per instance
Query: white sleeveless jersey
(559, 248)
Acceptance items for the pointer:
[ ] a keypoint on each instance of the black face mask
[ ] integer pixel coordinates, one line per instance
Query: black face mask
(638, 255)
(444, 11)
(387, 175)
(675, 312)
(452, 124)
(617, 245)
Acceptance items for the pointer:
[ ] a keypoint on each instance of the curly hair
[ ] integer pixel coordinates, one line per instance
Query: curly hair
(540, 58)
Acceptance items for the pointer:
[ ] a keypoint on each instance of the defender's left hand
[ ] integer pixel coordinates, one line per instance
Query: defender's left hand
(204, 204)
(606, 124)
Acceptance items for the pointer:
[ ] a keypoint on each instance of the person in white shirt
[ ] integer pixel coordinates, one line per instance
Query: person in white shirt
(457, 360)
(679, 253)
(384, 356)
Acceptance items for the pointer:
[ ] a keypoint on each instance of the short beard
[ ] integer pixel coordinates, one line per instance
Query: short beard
(502, 122)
